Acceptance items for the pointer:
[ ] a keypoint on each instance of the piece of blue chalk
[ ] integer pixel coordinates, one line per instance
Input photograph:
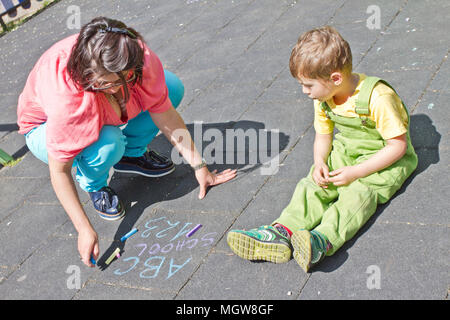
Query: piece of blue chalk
(129, 234)
(190, 233)
(93, 261)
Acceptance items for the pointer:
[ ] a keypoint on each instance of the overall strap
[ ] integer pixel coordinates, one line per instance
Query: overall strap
(325, 108)
(362, 103)
(363, 100)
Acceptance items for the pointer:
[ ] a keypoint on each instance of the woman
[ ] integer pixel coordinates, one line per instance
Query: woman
(73, 109)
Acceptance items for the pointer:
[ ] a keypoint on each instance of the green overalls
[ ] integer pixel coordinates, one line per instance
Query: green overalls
(339, 212)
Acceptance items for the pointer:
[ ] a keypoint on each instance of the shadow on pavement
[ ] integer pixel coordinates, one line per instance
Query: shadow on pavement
(143, 192)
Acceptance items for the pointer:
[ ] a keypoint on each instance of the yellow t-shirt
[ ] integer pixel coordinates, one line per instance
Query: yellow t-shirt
(385, 109)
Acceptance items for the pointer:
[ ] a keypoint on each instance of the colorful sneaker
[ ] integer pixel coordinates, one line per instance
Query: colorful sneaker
(151, 164)
(264, 243)
(309, 248)
(107, 204)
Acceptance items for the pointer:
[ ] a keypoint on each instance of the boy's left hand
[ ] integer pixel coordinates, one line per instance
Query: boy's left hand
(344, 176)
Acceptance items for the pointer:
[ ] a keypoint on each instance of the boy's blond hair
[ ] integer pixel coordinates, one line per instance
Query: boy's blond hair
(320, 52)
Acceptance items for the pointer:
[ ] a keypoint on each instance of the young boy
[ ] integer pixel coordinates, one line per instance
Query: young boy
(365, 164)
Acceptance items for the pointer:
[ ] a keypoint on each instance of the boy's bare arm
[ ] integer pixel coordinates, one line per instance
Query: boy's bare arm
(322, 149)
(394, 150)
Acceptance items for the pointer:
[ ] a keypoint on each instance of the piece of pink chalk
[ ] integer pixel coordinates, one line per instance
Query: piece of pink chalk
(190, 233)
(118, 255)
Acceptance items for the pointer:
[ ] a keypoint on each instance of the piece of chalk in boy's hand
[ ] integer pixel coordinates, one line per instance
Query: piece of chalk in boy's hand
(93, 261)
(190, 233)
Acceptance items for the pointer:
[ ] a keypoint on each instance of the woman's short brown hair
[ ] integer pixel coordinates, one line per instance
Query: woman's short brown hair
(320, 52)
(105, 46)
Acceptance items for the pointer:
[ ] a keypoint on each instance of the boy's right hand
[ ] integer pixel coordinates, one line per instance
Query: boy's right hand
(321, 175)
(87, 246)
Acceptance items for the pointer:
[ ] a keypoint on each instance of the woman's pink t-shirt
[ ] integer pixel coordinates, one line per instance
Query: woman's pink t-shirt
(74, 118)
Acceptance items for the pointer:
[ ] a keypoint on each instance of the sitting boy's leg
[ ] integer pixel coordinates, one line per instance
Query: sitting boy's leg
(307, 205)
(309, 248)
(303, 213)
(357, 202)
(272, 243)
(265, 243)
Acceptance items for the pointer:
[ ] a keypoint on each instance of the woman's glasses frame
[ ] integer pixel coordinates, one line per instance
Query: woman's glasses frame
(115, 84)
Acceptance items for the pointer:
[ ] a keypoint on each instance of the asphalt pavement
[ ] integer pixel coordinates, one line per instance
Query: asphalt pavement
(240, 98)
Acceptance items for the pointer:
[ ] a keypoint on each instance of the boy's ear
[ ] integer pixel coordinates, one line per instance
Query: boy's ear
(336, 78)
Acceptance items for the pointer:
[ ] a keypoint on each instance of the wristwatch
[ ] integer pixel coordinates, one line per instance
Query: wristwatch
(199, 166)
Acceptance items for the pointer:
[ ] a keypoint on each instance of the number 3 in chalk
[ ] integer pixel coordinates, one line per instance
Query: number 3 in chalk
(147, 232)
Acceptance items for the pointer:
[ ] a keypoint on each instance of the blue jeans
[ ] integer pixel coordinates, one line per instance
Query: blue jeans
(94, 162)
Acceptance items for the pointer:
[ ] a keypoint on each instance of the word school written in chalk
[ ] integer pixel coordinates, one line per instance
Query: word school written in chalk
(179, 245)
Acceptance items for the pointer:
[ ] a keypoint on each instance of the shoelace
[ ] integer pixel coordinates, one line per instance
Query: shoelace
(322, 247)
(106, 194)
(155, 156)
